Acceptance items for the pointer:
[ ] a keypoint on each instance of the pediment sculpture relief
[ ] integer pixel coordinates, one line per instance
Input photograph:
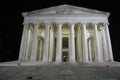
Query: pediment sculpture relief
(64, 11)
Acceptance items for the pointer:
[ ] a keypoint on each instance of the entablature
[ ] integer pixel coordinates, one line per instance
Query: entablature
(66, 19)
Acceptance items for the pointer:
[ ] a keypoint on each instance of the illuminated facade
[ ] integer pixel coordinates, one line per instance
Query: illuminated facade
(66, 33)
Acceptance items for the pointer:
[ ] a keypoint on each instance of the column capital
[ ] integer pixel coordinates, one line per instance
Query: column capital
(104, 24)
(25, 23)
(36, 24)
(71, 25)
(84, 23)
(47, 23)
(101, 28)
(95, 23)
(59, 23)
(79, 27)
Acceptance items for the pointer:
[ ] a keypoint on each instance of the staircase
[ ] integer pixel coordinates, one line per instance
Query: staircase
(62, 71)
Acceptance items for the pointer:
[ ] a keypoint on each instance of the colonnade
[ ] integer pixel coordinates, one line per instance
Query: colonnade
(101, 41)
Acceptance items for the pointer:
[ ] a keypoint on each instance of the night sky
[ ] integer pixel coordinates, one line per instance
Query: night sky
(11, 22)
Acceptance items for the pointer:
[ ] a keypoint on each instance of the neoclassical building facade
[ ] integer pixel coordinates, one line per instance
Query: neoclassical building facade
(66, 33)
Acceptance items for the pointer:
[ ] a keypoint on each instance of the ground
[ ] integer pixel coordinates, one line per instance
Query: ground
(59, 71)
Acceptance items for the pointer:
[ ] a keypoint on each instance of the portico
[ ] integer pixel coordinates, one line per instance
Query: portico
(66, 33)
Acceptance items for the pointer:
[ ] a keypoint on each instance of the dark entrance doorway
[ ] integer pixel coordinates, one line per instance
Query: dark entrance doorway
(65, 49)
(65, 56)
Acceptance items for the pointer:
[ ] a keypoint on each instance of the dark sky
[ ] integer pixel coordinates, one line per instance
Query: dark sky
(11, 22)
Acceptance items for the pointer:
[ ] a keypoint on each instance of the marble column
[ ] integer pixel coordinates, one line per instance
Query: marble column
(51, 44)
(109, 46)
(46, 43)
(97, 43)
(78, 47)
(29, 39)
(34, 44)
(84, 43)
(59, 44)
(89, 50)
(72, 43)
(101, 46)
(104, 45)
(23, 46)
(41, 49)
(80, 44)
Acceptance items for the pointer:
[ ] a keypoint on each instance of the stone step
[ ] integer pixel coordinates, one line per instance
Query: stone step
(59, 72)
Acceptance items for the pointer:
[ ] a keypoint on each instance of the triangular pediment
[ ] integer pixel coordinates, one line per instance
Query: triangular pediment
(65, 10)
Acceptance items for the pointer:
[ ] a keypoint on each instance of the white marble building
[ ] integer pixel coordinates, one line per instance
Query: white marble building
(66, 33)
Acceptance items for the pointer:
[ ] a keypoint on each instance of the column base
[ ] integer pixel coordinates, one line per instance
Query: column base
(72, 61)
(86, 61)
(21, 60)
(45, 59)
(58, 61)
(110, 60)
(32, 60)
